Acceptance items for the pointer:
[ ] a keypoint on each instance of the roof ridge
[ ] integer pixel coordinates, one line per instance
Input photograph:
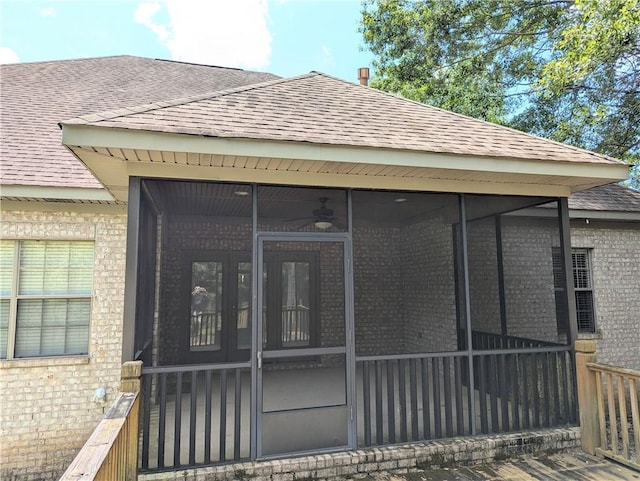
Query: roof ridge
(78, 59)
(113, 114)
(151, 59)
(200, 64)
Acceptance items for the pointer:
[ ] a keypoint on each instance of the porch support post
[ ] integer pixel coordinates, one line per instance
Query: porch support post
(467, 310)
(131, 270)
(255, 342)
(565, 246)
(501, 294)
(350, 326)
(587, 396)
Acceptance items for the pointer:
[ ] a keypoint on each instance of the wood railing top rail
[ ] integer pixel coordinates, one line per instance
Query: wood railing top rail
(87, 464)
(631, 373)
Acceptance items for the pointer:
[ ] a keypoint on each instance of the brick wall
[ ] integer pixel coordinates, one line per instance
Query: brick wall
(46, 408)
(528, 276)
(527, 245)
(615, 260)
(47, 411)
(428, 287)
(483, 276)
(378, 303)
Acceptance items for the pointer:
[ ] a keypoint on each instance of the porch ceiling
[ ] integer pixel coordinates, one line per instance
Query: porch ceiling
(115, 154)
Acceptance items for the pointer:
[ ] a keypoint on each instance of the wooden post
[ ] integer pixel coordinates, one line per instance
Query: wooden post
(587, 398)
(130, 382)
(130, 376)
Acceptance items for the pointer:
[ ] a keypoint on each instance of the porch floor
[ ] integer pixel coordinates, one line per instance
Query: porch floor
(569, 465)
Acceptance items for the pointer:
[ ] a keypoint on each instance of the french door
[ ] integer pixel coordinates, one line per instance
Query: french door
(304, 400)
(218, 307)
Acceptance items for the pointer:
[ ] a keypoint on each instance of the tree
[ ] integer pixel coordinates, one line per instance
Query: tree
(568, 70)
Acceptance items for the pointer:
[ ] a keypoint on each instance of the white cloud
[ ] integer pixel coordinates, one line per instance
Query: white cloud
(144, 15)
(48, 12)
(230, 34)
(326, 56)
(8, 56)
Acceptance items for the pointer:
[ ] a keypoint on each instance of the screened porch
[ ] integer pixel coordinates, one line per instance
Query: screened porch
(281, 320)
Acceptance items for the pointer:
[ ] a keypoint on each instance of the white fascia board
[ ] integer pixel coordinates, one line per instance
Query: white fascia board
(52, 192)
(610, 215)
(75, 207)
(88, 135)
(604, 215)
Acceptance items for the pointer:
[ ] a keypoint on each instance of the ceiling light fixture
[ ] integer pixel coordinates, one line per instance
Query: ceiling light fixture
(322, 224)
(241, 193)
(400, 199)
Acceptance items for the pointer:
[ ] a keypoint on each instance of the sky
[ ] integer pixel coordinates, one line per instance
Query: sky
(284, 37)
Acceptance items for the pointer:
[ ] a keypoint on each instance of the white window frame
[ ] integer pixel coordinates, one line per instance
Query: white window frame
(14, 298)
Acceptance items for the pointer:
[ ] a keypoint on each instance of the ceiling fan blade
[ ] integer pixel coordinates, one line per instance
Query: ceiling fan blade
(294, 219)
(304, 225)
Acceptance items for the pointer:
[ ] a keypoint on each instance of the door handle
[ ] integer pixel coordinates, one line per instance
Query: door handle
(259, 359)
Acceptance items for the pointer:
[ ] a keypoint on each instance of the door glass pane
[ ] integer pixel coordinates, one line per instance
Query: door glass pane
(244, 305)
(206, 306)
(295, 304)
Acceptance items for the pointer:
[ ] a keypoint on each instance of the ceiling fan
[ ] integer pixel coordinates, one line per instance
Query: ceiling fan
(322, 217)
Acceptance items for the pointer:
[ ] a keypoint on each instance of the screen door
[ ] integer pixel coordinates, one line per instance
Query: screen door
(303, 396)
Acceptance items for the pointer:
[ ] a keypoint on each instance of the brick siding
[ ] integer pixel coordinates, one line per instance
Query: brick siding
(47, 410)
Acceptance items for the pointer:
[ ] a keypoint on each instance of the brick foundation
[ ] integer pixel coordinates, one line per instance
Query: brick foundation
(403, 458)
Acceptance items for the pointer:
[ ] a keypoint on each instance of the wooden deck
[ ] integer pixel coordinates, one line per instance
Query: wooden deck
(570, 465)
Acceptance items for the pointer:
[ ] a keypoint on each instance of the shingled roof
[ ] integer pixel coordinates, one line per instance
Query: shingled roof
(611, 198)
(321, 109)
(35, 97)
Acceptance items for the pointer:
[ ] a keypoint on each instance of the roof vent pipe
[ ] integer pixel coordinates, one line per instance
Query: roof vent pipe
(363, 76)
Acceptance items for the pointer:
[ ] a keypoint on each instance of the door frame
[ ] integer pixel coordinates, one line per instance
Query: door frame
(256, 336)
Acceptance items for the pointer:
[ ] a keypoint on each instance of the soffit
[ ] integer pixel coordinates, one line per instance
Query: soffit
(332, 166)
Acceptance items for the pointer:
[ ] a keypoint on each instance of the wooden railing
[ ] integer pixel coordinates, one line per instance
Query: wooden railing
(609, 408)
(112, 449)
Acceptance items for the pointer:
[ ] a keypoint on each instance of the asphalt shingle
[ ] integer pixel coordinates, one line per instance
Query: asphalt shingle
(321, 109)
(35, 97)
(612, 197)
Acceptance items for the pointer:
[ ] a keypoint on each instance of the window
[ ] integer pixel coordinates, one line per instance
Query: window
(45, 298)
(583, 287)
